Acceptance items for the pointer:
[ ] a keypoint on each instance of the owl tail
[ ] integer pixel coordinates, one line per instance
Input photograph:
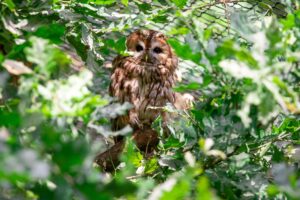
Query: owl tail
(145, 139)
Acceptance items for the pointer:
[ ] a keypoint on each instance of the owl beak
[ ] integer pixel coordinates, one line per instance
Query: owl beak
(146, 57)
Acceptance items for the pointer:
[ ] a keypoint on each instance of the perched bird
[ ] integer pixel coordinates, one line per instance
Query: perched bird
(145, 79)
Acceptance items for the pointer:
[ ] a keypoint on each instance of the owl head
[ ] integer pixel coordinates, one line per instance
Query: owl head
(150, 47)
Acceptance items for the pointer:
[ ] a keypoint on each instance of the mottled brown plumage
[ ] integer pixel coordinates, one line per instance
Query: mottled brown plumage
(144, 79)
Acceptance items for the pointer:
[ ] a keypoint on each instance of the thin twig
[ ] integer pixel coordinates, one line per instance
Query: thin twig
(215, 162)
(218, 160)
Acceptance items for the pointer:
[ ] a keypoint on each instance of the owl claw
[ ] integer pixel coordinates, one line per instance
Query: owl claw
(138, 123)
(134, 121)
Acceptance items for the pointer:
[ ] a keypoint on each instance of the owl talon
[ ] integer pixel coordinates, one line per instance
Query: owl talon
(136, 123)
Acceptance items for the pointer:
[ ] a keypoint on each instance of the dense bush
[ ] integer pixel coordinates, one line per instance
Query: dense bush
(239, 141)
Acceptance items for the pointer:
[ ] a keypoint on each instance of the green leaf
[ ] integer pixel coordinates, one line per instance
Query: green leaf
(120, 45)
(179, 31)
(102, 2)
(151, 166)
(272, 190)
(132, 156)
(50, 59)
(144, 7)
(180, 3)
(278, 155)
(1, 58)
(10, 4)
(241, 159)
(172, 143)
(184, 51)
(76, 151)
(125, 2)
(162, 18)
(120, 187)
(9, 119)
(179, 191)
(288, 22)
(203, 189)
(190, 86)
(52, 32)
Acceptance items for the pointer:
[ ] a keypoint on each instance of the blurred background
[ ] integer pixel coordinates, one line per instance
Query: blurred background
(239, 59)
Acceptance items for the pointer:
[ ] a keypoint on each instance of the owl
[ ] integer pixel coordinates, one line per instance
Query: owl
(145, 79)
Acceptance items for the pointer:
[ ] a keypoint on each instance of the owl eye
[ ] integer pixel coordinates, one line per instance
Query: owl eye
(139, 48)
(157, 50)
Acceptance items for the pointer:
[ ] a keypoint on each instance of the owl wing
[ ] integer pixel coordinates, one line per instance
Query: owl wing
(117, 79)
(117, 90)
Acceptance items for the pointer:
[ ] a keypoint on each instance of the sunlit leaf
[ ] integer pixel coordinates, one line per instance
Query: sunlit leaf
(10, 4)
(125, 2)
(184, 51)
(203, 189)
(179, 3)
(102, 2)
(151, 166)
(15, 67)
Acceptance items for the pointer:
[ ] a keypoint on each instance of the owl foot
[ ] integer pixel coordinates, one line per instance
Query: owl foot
(146, 140)
(109, 160)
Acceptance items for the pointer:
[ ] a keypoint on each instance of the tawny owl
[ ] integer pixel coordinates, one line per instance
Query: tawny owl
(144, 79)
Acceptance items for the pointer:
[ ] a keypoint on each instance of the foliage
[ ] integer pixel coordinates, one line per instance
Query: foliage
(239, 141)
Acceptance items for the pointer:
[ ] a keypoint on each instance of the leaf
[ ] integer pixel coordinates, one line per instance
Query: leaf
(1, 58)
(161, 18)
(76, 151)
(120, 45)
(179, 31)
(10, 25)
(241, 159)
(10, 4)
(144, 7)
(288, 22)
(55, 103)
(184, 51)
(203, 189)
(16, 67)
(132, 156)
(240, 21)
(50, 59)
(251, 99)
(52, 32)
(172, 143)
(160, 189)
(179, 191)
(9, 119)
(120, 187)
(190, 86)
(180, 3)
(272, 190)
(239, 70)
(125, 2)
(102, 2)
(151, 166)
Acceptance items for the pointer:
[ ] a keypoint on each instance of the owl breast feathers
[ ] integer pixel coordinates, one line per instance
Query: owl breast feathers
(144, 79)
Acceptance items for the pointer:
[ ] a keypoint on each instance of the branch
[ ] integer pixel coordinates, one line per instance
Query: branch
(215, 162)
(210, 165)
